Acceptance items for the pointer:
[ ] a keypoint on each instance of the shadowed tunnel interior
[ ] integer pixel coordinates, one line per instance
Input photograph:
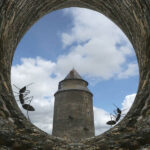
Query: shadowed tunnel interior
(132, 16)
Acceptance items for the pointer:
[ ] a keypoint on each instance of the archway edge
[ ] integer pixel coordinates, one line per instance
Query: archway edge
(132, 16)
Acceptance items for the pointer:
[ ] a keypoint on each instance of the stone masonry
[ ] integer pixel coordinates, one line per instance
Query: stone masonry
(132, 133)
(73, 110)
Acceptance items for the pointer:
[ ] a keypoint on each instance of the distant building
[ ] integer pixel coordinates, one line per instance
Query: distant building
(73, 109)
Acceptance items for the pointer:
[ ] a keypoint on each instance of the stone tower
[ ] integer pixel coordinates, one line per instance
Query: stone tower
(73, 109)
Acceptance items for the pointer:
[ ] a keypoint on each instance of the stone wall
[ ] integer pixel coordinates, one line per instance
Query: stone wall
(73, 115)
(132, 133)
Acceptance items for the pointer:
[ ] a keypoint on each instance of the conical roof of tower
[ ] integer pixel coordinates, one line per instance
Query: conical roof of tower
(73, 81)
(73, 74)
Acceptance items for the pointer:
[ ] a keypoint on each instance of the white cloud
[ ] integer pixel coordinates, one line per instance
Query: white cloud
(38, 71)
(93, 62)
(101, 116)
(89, 24)
(100, 119)
(127, 102)
(132, 70)
(99, 48)
(42, 117)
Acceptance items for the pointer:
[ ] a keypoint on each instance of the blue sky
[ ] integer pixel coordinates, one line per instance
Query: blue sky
(43, 38)
(87, 41)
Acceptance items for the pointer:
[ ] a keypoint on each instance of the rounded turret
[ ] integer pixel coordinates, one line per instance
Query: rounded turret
(73, 109)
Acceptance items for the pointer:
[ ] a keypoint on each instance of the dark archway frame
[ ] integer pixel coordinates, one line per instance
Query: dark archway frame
(132, 16)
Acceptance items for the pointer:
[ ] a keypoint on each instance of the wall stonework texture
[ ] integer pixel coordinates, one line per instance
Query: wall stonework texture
(132, 133)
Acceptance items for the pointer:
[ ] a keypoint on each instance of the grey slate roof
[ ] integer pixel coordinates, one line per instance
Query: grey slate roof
(73, 74)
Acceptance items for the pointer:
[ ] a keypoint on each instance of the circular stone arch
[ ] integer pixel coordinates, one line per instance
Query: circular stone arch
(133, 132)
